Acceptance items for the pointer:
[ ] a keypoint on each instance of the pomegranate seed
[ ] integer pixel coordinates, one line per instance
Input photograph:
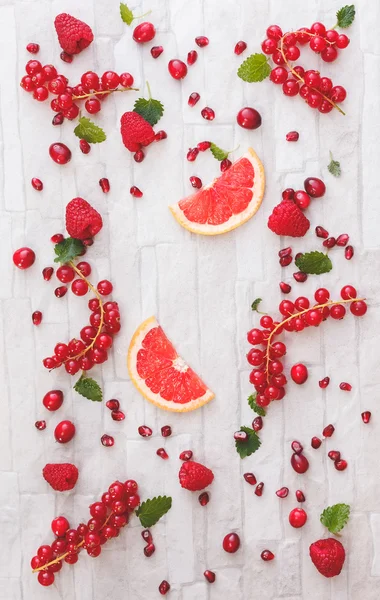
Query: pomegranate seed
(84, 146)
(147, 536)
(60, 291)
(282, 492)
(292, 136)
(328, 431)
(285, 252)
(149, 550)
(67, 58)
(166, 431)
(58, 119)
(342, 239)
(315, 442)
(323, 383)
(107, 440)
(321, 232)
(33, 48)
(334, 455)
(346, 387)
(240, 47)
(300, 496)
(164, 587)
(138, 156)
(300, 277)
(37, 184)
(186, 455)
(210, 576)
(366, 416)
(299, 463)
(47, 273)
(160, 135)
(40, 425)
(136, 192)
(204, 498)
(297, 447)
(241, 436)
(156, 51)
(225, 164)
(257, 424)
(57, 238)
(250, 478)
(105, 185)
(259, 489)
(117, 415)
(208, 113)
(161, 452)
(37, 317)
(192, 57)
(231, 543)
(267, 555)
(348, 252)
(285, 261)
(196, 182)
(145, 431)
(113, 404)
(340, 465)
(329, 243)
(288, 194)
(285, 287)
(192, 154)
(193, 99)
(202, 41)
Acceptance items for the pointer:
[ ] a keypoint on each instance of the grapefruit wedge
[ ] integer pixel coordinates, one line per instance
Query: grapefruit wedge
(228, 202)
(162, 376)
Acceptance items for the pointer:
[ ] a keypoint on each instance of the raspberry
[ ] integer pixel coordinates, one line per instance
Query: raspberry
(288, 219)
(61, 477)
(193, 476)
(328, 556)
(73, 35)
(135, 131)
(82, 221)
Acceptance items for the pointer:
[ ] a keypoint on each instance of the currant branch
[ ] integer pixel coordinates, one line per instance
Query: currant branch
(104, 92)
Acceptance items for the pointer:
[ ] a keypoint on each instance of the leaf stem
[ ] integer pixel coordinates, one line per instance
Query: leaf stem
(103, 92)
(149, 92)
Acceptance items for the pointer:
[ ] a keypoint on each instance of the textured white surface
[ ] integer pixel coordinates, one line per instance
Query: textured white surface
(200, 289)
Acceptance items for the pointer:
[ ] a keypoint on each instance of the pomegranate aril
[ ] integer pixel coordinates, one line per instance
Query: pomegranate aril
(328, 431)
(300, 496)
(105, 185)
(192, 57)
(285, 287)
(117, 415)
(259, 489)
(321, 232)
(37, 317)
(40, 425)
(300, 277)
(342, 239)
(192, 154)
(267, 555)
(208, 113)
(147, 536)
(186, 455)
(60, 291)
(292, 136)
(323, 383)
(196, 182)
(240, 47)
(315, 442)
(193, 99)
(160, 135)
(203, 146)
(282, 492)
(166, 431)
(145, 431)
(329, 243)
(202, 41)
(241, 436)
(156, 51)
(138, 156)
(107, 440)
(299, 463)
(204, 498)
(135, 192)
(297, 447)
(149, 550)
(58, 119)
(346, 387)
(285, 261)
(164, 587)
(250, 478)
(348, 252)
(210, 576)
(37, 184)
(33, 48)
(257, 424)
(84, 146)
(340, 465)
(161, 452)
(334, 455)
(366, 416)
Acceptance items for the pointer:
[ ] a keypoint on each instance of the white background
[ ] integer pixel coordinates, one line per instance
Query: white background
(201, 290)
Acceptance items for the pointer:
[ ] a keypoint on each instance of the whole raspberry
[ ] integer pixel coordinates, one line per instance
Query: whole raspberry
(82, 221)
(288, 219)
(135, 131)
(61, 477)
(193, 476)
(73, 35)
(328, 556)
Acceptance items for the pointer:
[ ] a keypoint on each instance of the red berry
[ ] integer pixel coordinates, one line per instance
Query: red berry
(202, 41)
(340, 465)
(164, 587)
(64, 432)
(160, 135)
(315, 442)
(342, 41)
(177, 69)
(231, 543)
(334, 455)
(104, 287)
(60, 153)
(292, 53)
(299, 463)
(359, 308)
(210, 576)
(257, 424)
(192, 57)
(259, 489)
(145, 431)
(53, 400)
(208, 114)
(274, 32)
(193, 99)
(278, 75)
(240, 47)
(269, 46)
(290, 87)
(144, 32)
(156, 51)
(346, 387)
(321, 232)
(59, 526)
(185, 455)
(33, 48)
(136, 192)
(67, 58)
(196, 182)
(250, 478)
(285, 287)
(79, 287)
(225, 164)
(329, 243)
(110, 79)
(92, 105)
(366, 416)
(297, 517)
(338, 93)
(166, 431)
(348, 252)
(297, 447)
(300, 496)
(328, 430)
(192, 154)
(267, 555)
(37, 317)
(161, 452)
(24, 258)
(37, 184)
(323, 383)
(248, 118)
(126, 79)
(282, 492)
(204, 498)
(337, 311)
(329, 54)
(292, 136)
(203, 146)
(40, 425)
(302, 199)
(45, 578)
(58, 119)
(107, 440)
(299, 373)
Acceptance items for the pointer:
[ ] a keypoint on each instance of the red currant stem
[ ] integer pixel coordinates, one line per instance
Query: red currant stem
(102, 92)
(302, 79)
(141, 16)
(295, 315)
(59, 558)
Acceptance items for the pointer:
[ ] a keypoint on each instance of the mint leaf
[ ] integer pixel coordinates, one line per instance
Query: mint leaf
(255, 304)
(217, 152)
(151, 110)
(335, 517)
(259, 410)
(151, 511)
(126, 14)
(87, 130)
(250, 446)
(334, 167)
(254, 68)
(314, 263)
(89, 388)
(67, 250)
(345, 16)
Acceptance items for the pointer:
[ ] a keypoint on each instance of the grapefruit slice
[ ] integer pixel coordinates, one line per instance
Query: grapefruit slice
(228, 202)
(162, 376)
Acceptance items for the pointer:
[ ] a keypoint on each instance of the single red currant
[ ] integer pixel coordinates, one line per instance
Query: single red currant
(299, 373)
(297, 518)
(248, 118)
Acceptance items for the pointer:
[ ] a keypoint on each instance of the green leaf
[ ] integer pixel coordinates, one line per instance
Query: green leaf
(314, 263)
(67, 250)
(150, 511)
(255, 304)
(151, 110)
(335, 517)
(126, 14)
(89, 388)
(250, 446)
(87, 130)
(217, 152)
(254, 68)
(345, 16)
(334, 167)
(259, 410)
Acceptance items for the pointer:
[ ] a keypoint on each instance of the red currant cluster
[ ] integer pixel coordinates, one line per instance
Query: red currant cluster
(108, 516)
(267, 376)
(319, 92)
(42, 80)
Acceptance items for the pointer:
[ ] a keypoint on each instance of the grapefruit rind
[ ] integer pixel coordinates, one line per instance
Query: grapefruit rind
(236, 220)
(139, 383)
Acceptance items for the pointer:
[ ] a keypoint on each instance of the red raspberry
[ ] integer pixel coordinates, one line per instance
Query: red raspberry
(193, 476)
(82, 221)
(73, 35)
(135, 131)
(61, 477)
(288, 219)
(328, 556)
